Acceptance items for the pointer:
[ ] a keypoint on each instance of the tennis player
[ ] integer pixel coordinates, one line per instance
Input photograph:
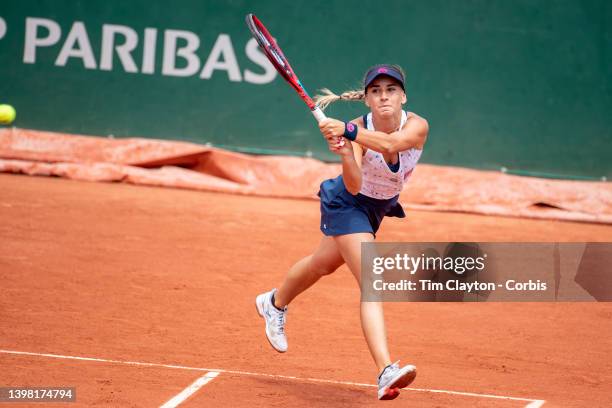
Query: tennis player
(385, 146)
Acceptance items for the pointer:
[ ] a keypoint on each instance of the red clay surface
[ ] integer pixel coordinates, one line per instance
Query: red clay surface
(169, 276)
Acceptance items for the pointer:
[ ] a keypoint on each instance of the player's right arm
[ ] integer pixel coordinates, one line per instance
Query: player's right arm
(351, 155)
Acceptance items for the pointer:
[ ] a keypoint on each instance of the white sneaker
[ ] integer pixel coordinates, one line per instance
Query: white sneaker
(275, 320)
(393, 378)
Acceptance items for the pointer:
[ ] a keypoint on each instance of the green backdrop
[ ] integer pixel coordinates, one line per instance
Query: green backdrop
(523, 84)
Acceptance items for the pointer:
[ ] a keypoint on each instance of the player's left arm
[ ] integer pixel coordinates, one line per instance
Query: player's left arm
(413, 134)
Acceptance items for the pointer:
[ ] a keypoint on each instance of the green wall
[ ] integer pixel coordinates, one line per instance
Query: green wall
(525, 85)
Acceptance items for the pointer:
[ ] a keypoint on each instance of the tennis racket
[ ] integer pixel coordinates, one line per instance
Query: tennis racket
(277, 58)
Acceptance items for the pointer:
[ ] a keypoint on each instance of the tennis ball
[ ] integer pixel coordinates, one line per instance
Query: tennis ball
(7, 114)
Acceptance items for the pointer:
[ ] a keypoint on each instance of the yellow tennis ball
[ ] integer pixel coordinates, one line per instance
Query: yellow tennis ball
(7, 114)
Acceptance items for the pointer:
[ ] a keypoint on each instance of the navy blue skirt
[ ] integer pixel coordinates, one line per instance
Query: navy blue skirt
(343, 213)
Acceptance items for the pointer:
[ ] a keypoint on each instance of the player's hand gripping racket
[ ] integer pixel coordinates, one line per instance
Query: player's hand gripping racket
(277, 58)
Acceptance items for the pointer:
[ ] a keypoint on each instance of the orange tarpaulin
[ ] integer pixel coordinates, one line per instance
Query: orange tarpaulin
(193, 166)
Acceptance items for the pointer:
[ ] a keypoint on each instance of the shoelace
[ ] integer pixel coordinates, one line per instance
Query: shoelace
(280, 322)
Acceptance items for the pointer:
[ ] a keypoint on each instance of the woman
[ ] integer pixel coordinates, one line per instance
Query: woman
(378, 152)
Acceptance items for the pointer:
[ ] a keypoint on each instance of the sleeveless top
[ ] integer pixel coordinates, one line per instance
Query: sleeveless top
(377, 180)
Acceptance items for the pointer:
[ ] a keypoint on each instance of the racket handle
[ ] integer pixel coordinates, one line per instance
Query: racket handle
(318, 114)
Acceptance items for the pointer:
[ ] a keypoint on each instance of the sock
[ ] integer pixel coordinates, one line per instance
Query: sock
(276, 307)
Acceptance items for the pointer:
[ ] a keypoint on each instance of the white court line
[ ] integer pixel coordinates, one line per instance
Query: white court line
(189, 391)
(533, 403)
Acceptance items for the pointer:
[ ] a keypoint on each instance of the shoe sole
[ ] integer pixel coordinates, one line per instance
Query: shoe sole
(405, 380)
(392, 391)
(259, 309)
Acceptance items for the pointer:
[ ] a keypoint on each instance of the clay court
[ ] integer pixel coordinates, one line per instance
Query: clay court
(159, 169)
(132, 293)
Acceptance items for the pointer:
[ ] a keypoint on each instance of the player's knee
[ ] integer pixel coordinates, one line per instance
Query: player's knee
(322, 268)
(326, 271)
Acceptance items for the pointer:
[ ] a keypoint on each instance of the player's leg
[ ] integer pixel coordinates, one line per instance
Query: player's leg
(391, 377)
(325, 260)
(372, 315)
(272, 306)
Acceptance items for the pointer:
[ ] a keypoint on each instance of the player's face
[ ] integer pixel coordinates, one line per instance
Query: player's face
(385, 96)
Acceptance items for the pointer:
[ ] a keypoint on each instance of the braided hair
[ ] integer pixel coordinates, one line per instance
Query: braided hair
(327, 97)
